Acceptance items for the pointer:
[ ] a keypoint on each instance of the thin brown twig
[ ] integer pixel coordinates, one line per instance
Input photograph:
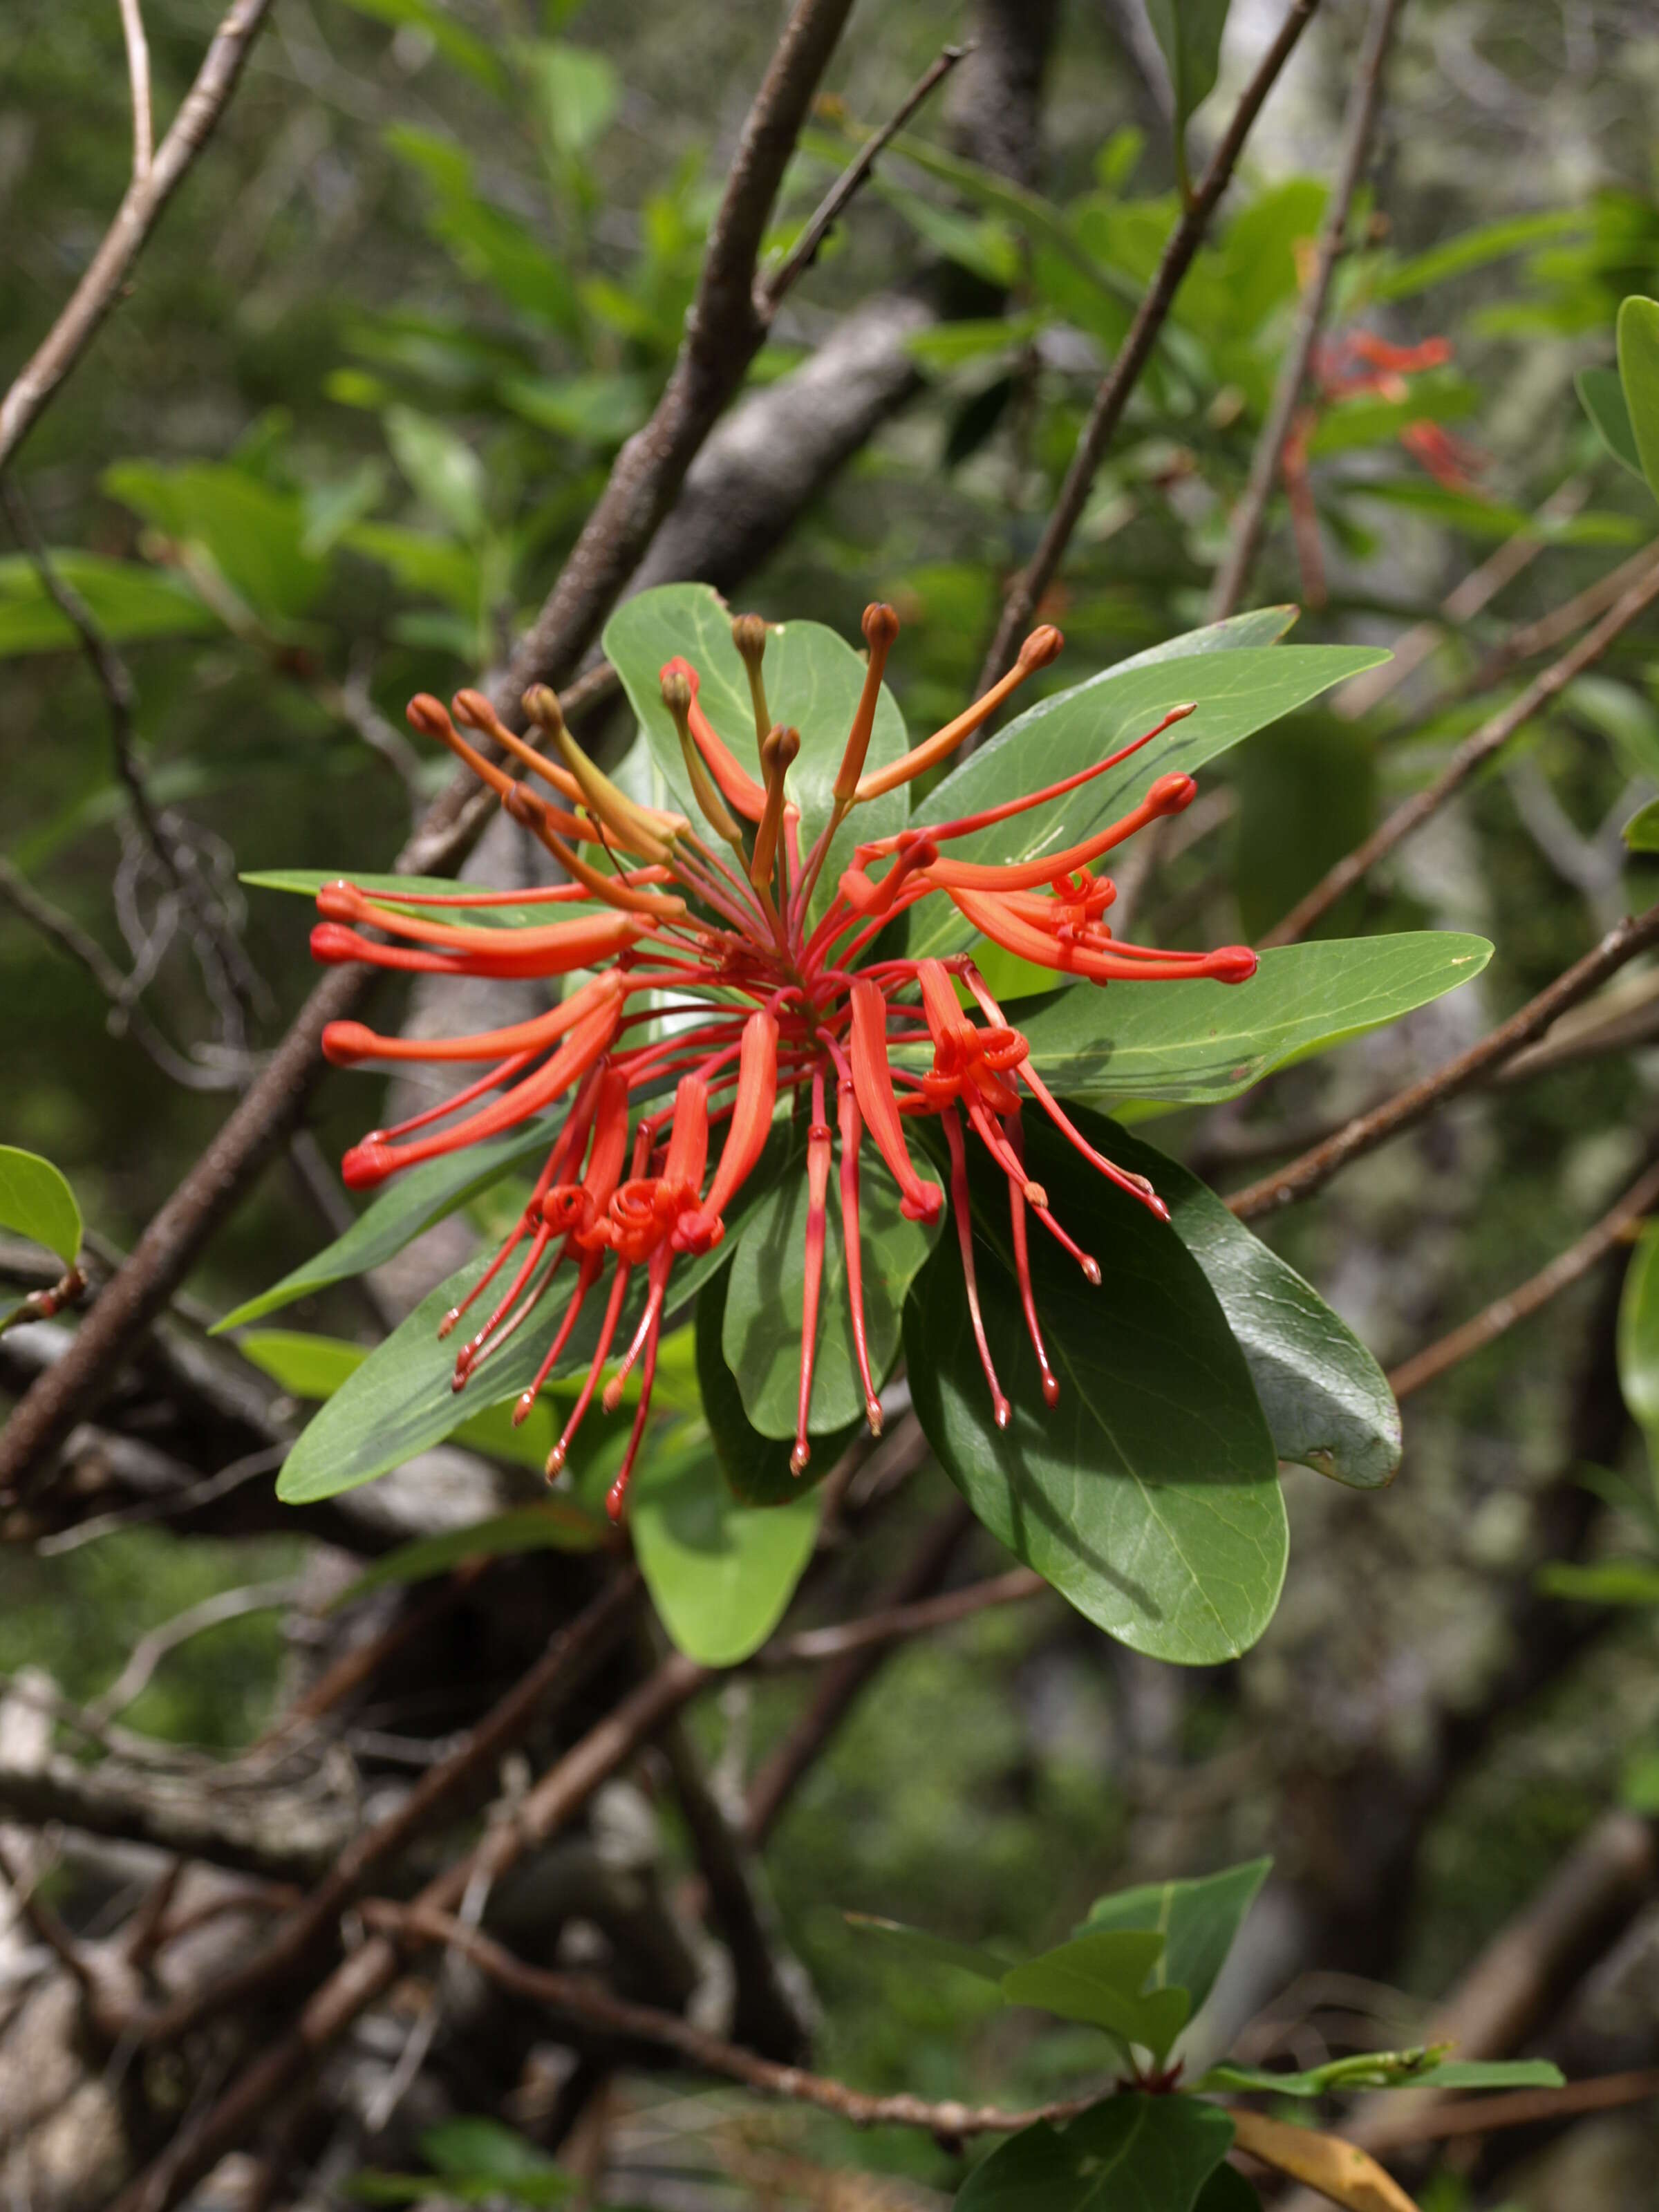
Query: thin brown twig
(724, 332)
(1027, 588)
(833, 205)
(370, 1969)
(1527, 1298)
(585, 2000)
(1475, 750)
(143, 127)
(1250, 516)
(812, 1646)
(141, 208)
(1315, 1167)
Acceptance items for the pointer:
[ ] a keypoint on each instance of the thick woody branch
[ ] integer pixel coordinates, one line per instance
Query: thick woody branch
(153, 186)
(724, 332)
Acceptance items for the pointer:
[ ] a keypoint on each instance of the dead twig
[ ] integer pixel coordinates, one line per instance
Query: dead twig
(140, 210)
(834, 204)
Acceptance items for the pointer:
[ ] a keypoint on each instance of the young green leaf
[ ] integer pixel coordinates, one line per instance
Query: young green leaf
(443, 468)
(1189, 31)
(923, 1948)
(1639, 1338)
(130, 599)
(36, 1202)
(1641, 832)
(1198, 1920)
(1129, 2154)
(720, 1573)
(1148, 1495)
(1601, 1581)
(1638, 373)
(1100, 1977)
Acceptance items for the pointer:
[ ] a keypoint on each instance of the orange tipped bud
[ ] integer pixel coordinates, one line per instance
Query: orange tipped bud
(1041, 647)
(627, 823)
(677, 696)
(1038, 650)
(881, 627)
(778, 755)
(1171, 794)
(749, 635)
(344, 1043)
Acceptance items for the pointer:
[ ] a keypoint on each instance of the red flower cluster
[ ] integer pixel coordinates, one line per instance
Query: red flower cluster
(762, 998)
(1356, 365)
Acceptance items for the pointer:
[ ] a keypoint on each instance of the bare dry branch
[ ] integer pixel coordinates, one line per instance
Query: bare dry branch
(143, 127)
(138, 215)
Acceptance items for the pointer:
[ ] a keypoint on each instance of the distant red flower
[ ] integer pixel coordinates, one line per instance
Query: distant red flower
(766, 1001)
(1355, 365)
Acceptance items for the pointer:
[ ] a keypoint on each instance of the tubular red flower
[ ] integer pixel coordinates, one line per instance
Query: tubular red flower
(713, 978)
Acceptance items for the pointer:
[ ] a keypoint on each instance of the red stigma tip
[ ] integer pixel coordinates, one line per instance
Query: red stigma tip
(1001, 1411)
(1231, 964)
(366, 1164)
(799, 1457)
(1092, 1267)
(522, 1407)
(1172, 794)
(556, 1459)
(873, 1414)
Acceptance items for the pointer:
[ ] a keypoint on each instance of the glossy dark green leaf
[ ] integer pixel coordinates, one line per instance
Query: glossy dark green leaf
(1197, 1919)
(1603, 398)
(1326, 1398)
(1195, 1042)
(1149, 1495)
(1234, 691)
(37, 1202)
(1189, 31)
(411, 1203)
(922, 1948)
(1101, 1977)
(1638, 373)
(1227, 2190)
(129, 599)
(765, 1288)
(813, 680)
(1130, 2153)
(721, 1572)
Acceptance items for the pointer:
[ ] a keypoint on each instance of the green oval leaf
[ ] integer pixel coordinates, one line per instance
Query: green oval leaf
(1639, 1338)
(1149, 1495)
(1195, 1042)
(1638, 374)
(757, 1466)
(761, 1335)
(1601, 395)
(36, 1201)
(1234, 691)
(1189, 31)
(1130, 2153)
(922, 1948)
(1099, 1978)
(1327, 1400)
(1197, 1919)
(1641, 832)
(721, 1572)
